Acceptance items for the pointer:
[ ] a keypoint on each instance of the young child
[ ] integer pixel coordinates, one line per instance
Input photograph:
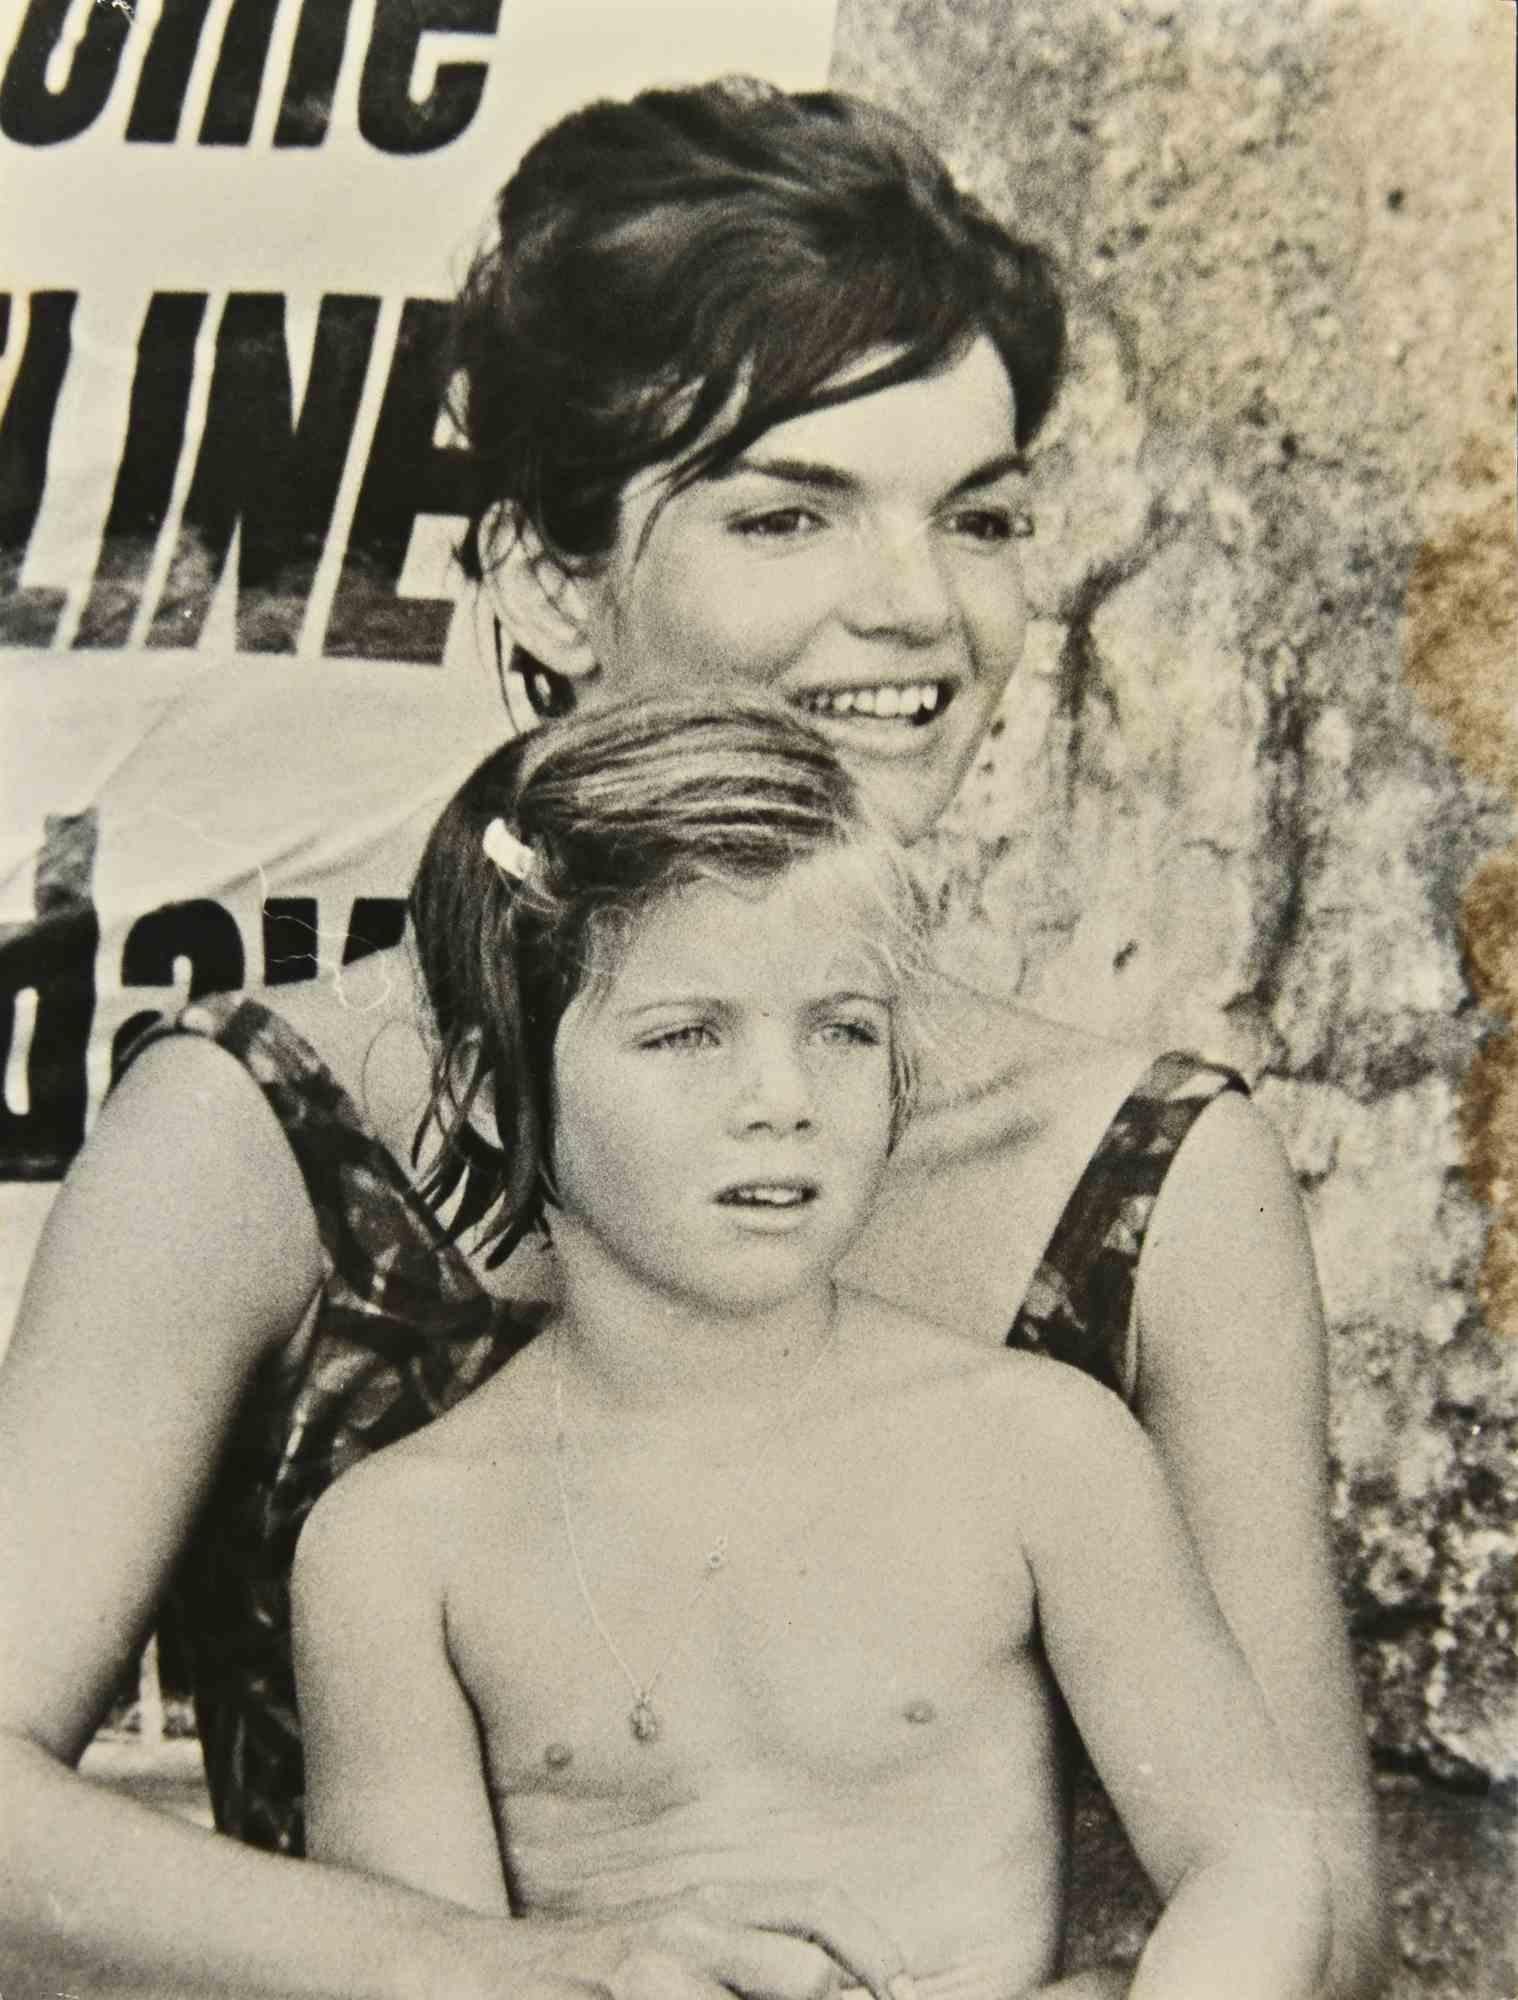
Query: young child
(733, 1575)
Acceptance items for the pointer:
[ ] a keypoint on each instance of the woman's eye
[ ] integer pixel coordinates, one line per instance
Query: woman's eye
(983, 524)
(778, 524)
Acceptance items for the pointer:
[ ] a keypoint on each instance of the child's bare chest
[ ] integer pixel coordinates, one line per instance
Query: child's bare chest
(859, 1660)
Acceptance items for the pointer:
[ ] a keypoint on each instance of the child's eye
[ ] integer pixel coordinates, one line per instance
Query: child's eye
(690, 1035)
(848, 1032)
(779, 524)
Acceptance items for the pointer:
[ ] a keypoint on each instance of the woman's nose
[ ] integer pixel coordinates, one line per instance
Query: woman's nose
(899, 586)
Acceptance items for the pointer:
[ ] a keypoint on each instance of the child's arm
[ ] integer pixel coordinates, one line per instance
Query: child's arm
(1169, 1711)
(394, 1780)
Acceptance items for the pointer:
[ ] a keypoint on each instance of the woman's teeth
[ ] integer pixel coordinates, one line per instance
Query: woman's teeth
(914, 703)
(769, 1197)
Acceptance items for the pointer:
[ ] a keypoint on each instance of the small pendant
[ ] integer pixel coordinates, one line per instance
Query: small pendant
(642, 1720)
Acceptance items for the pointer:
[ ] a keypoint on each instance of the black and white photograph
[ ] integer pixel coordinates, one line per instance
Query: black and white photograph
(758, 951)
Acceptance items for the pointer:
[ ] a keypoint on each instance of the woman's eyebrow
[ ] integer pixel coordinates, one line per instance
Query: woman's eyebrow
(989, 472)
(796, 471)
(823, 477)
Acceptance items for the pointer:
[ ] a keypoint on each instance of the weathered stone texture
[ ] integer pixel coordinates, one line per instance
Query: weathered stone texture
(1264, 744)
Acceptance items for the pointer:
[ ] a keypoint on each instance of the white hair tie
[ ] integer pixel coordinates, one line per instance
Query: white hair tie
(512, 856)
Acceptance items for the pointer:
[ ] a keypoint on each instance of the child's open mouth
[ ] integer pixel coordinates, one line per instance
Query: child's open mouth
(768, 1194)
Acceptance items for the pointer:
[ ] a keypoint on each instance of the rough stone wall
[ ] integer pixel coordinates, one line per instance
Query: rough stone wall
(1251, 792)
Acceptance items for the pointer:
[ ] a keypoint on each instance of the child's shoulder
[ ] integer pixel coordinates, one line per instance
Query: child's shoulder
(386, 1511)
(1025, 1442)
(1056, 1416)
(417, 1495)
(1073, 1459)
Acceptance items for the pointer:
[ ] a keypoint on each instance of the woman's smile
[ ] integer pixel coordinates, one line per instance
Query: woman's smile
(916, 702)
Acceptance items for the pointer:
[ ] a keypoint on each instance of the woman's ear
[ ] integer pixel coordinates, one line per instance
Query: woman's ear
(541, 606)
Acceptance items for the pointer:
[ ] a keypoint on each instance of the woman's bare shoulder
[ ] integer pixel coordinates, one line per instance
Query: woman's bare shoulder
(188, 1153)
(366, 1024)
(1010, 1116)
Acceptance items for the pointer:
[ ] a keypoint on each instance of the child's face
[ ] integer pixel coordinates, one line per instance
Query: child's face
(723, 1109)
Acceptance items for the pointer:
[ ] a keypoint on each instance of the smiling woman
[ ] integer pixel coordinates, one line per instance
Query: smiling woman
(820, 470)
(744, 388)
(859, 560)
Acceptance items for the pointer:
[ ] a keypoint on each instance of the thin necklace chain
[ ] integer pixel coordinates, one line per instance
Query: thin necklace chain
(643, 1718)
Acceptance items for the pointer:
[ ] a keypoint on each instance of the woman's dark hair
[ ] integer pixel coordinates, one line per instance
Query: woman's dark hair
(600, 818)
(673, 276)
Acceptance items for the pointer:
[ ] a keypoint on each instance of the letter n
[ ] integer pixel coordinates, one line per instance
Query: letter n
(260, 471)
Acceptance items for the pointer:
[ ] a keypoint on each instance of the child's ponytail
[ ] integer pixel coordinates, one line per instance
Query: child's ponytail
(487, 1107)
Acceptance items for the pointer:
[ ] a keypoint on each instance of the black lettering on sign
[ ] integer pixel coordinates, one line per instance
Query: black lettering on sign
(54, 959)
(233, 97)
(388, 116)
(33, 115)
(306, 108)
(232, 103)
(259, 468)
(200, 931)
(377, 923)
(145, 477)
(407, 475)
(289, 939)
(165, 75)
(29, 615)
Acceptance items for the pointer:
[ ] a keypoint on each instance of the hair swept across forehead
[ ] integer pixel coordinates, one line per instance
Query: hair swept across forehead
(603, 817)
(674, 275)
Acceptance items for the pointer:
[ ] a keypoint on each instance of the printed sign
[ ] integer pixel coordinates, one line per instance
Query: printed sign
(239, 671)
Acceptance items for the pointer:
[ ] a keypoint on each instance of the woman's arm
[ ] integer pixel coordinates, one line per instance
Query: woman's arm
(180, 1251)
(1167, 1706)
(1232, 1392)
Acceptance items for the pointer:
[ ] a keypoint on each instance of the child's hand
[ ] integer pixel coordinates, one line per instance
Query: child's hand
(763, 1941)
